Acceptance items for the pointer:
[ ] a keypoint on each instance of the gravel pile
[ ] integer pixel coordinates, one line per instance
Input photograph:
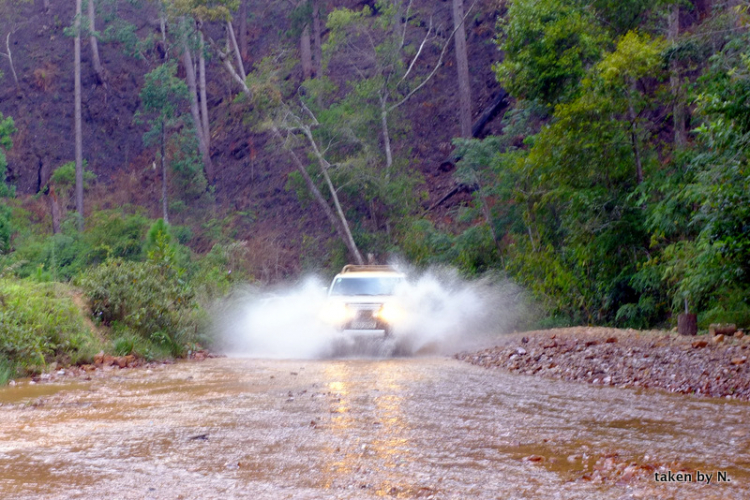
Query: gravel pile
(714, 366)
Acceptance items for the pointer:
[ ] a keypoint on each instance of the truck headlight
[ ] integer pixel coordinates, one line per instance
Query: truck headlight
(336, 313)
(391, 313)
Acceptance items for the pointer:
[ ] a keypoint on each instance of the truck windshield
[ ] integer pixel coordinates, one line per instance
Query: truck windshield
(365, 286)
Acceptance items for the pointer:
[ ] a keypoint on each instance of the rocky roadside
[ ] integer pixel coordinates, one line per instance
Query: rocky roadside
(712, 365)
(104, 365)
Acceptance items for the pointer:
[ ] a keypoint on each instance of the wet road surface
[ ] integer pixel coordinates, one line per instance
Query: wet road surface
(359, 429)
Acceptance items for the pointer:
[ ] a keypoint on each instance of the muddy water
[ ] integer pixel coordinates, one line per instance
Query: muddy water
(403, 428)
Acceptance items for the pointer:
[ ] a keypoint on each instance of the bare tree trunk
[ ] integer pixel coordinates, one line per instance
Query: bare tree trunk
(236, 49)
(163, 29)
(306, 53)
(242, 28)
(324, 166)
(187, 61)
(202, 84)
(462, 67)
(164, 206)
(317, 40)
(386, 136)
(338, 224)
(78, 125)
(98, 69)
(634, 137)
(225, 58)
(9, 55)
(54, 208)
(678, 109)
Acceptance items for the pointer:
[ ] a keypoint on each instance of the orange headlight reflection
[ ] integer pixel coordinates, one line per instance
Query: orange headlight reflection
(391, 313)
(336, 313)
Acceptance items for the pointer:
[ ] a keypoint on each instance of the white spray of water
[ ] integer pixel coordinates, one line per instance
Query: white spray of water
(442, 314)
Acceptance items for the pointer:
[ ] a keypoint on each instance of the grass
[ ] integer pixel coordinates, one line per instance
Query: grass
(40, 323)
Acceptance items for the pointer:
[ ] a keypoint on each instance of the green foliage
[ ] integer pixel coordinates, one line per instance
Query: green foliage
(7, 129)
(40, 323)
(548, 46)
(188, 177)
(147, 299)
(109, 234)
(595, 214)
(163, 94)
(706, 258)
(472, 251)
(208, 10)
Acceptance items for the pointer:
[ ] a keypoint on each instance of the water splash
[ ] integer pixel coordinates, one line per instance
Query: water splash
(442, 314)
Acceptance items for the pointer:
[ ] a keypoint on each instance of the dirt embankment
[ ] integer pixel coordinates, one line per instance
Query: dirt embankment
(714, 366)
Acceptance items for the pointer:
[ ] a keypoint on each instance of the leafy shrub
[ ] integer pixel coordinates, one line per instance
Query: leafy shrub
(147, 299)
(7, 370)
(38, 323)
(109, 234)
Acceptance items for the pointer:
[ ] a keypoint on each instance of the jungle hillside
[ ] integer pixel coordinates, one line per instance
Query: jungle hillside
(156, 153)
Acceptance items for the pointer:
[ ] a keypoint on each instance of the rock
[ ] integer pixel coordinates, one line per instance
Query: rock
(718, 339)
(520, 351)
(722, 329)
(739, 361)
(611, 340)
(699, 343)
(534, 458)
(99, 358)
(739, 334)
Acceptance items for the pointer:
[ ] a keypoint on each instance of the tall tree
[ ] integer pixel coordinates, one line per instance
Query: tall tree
(317, 39)
(462, 68)
(161, 98)
(292, 123)
(242, 29)
(203, 95)
(190, 77)
(94, 43)
(11, 20)
(306, 53)
(678, 107)
(78, 119)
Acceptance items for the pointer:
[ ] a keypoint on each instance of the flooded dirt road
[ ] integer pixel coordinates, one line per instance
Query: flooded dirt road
(358, 429)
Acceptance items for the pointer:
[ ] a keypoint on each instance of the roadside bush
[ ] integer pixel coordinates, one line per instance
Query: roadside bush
(39, 323)
(147, 299)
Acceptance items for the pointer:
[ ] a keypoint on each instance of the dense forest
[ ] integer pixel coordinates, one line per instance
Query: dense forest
(157, 152)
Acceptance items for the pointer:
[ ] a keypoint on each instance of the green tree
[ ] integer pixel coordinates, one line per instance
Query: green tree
(162, 97)
(7, 129)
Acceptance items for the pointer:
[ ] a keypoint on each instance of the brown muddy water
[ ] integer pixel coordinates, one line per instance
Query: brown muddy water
(359, 429)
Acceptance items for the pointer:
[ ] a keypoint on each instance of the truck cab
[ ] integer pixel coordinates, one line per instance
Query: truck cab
(363, 301)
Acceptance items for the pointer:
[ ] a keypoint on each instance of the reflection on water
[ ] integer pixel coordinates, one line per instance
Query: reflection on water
(359, 429)
(376, 438)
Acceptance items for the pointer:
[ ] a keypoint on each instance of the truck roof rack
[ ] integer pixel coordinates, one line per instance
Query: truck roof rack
(355, 268)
